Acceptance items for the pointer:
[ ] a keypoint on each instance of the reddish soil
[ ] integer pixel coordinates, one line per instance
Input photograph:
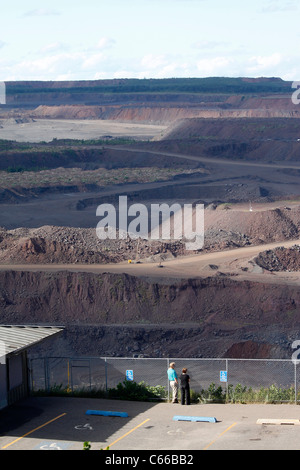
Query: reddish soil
(280, 259)
(165, 112)
(66, 245)
(230, 308)
(226, 227)
(217, 303)
(201, 317)
(235, 129)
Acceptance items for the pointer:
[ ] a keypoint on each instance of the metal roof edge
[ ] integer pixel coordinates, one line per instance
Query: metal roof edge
(16, 338)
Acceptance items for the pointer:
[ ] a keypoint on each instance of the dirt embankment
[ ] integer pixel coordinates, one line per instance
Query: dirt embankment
(233, 149)
(86, 158)
(154, 101)
(146, 107)
(235, 129)
(142, 114)
(67, 245)
(280, 259)
(165, 113)
(224, 229)
(243, 139)
(261, 225)
(213, 314)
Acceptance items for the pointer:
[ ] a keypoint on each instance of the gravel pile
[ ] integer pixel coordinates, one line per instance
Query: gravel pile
(280, 259)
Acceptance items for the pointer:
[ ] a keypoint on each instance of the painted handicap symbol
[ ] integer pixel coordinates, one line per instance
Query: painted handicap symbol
(52, 446)
(48, 445)
(84, 427)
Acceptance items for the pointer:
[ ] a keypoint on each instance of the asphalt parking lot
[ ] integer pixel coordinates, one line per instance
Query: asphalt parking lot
(52, 423)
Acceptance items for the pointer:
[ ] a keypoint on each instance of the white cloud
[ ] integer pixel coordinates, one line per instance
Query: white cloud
(93, 61)
(122, 73)
(274, 6)
(152, 61)
(264, 63)
(207, 44)
(214, 66)
(69, 65)
(48, 64)
(58, 61)
(54, 47)
(41, 12)
(48, 67)
(163, 66)
(105, 43)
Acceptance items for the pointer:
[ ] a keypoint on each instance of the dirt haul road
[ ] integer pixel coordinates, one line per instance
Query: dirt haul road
(238, 263)
(210, 160)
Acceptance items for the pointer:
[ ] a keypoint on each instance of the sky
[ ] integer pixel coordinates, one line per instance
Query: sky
(99, 39)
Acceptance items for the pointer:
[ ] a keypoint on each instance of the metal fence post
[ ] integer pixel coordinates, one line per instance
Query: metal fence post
(295, 372)
(168, 361)
(47, 378)
(71, 375)
(227, 377)
(105, 374)
(90, 374)
(30, 369)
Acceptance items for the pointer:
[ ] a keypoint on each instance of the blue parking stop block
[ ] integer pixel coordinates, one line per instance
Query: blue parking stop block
(204, 419)
(120, 414)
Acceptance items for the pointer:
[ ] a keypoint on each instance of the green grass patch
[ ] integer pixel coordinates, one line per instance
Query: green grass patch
(132, 391)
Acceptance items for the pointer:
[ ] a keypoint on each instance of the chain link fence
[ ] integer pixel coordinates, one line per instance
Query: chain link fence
(90, 373)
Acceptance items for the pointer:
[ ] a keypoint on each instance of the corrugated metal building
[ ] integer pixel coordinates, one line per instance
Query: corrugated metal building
(15, 341)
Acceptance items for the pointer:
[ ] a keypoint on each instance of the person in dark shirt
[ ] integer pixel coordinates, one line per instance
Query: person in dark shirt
(185, 387)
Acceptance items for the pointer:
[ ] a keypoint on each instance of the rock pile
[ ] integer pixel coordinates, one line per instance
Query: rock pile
(280, 259)
(50, 244)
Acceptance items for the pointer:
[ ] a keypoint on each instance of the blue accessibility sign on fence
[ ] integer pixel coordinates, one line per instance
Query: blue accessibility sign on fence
(129, 375)
(223, 375)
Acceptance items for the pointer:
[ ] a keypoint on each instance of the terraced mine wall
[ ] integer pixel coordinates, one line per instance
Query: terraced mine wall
(120, 314)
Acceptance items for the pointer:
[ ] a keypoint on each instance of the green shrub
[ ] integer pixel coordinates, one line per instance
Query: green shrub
(275, 394)
(60, 391)
(130, 390)
(239, 394)
(212, 395)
